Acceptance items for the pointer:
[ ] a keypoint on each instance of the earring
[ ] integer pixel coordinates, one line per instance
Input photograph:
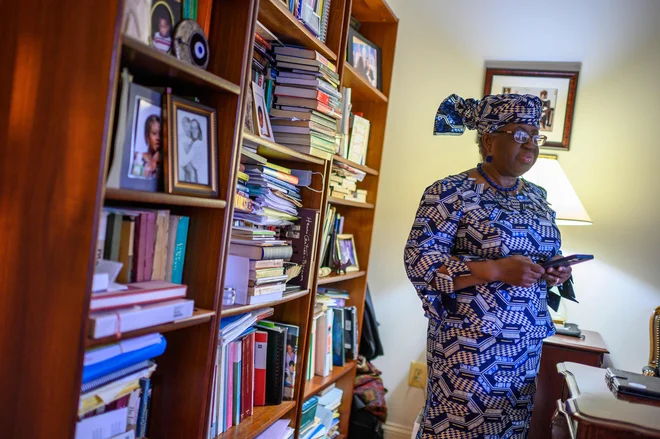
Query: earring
(489, 158)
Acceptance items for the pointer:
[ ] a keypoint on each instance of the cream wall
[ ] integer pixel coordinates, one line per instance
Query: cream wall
(442, 47)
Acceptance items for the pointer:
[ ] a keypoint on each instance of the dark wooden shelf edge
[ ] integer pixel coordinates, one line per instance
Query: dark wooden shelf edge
(163, 198)
(375, 12)
(239, 309)
(363, 168)
(347, 276)
(312, 389)
(342, 202)
(199, 316)
(136, 46)
(254, 425)
(286, 153)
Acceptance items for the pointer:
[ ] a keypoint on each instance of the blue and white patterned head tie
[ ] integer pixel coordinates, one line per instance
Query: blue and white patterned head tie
(455, 114)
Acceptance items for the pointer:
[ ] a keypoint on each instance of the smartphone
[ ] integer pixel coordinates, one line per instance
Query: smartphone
(568, 260)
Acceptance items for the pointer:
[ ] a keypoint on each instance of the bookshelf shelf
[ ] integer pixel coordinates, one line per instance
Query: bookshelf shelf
(319, 383)
(339, 278)
(261, 419)
(277, 18)
(373, 11)
(239, 309)
(275, 151)
(367, 169)
(199, 316)
(342, 202)
(140, 58)
(162, 198)
(361, 90)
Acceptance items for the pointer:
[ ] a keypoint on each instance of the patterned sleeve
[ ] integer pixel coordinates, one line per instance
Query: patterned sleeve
(429, 246)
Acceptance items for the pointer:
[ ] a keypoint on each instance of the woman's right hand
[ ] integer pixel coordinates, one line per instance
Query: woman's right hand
(518, 271)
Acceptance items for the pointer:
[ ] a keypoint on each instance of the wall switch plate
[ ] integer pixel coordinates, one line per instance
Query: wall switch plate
(417, 375)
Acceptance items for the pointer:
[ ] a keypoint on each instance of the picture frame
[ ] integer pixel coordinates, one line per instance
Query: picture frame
(365, 57)
(347, 252)
(309, 12)
(556, 89)
(191, 164)
(137, 162)
(163, 18)
(260, 113)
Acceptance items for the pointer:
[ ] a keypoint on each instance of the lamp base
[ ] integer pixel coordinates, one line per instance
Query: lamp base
(570, 329)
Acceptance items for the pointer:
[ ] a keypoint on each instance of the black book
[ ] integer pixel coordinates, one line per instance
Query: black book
(275, 358)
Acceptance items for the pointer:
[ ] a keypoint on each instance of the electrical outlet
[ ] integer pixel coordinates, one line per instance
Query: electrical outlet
(417, 376)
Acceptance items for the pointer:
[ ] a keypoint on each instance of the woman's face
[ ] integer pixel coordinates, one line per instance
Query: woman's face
(511, 158)
(196, 131)
(153, 136)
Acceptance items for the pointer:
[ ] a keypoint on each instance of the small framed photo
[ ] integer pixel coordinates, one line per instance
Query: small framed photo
(556, 89)
(165, 15)
(347, 253)
(365, 57)
(309, 11)
(191, 164)
(261, 119)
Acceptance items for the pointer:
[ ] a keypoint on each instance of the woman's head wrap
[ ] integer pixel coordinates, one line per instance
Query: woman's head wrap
(455, 114)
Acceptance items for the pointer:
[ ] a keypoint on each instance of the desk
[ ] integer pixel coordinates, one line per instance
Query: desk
(559, 349)
(589, 410)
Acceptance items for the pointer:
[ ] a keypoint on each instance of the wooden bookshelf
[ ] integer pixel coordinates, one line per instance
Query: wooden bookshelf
(199, 317)
(333, 278)
(366, 169)
(319, 383)
(232, 310)
(261, 419)
(56, 195)
(351, 203)
(162, 199)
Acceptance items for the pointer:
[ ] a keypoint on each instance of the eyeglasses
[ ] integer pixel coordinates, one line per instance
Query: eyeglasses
(522, 137)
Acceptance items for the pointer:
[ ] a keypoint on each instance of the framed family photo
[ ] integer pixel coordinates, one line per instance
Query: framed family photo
(556, 89)
(191, 165)
(347, 253)
(261, 121)
(365, 57)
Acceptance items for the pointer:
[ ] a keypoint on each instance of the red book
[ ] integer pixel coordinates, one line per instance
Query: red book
(247, 376)
(260, 349)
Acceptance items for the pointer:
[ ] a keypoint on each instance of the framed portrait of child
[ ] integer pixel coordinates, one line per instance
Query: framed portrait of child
(261, 118)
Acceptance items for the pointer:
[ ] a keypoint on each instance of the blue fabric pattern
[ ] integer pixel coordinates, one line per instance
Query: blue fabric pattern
(455, 114)
(484, 342)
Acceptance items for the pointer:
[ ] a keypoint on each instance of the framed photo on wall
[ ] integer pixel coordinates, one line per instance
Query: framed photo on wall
(556, 89)
(191, 162)
(365, 57)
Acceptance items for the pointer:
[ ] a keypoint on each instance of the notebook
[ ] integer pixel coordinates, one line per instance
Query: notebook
(275, 357)
(623, 383)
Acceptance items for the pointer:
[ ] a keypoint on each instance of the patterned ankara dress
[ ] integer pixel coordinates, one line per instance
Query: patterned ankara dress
(484, 342)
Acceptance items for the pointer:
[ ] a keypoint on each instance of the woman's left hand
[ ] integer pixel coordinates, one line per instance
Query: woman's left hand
(557, 275)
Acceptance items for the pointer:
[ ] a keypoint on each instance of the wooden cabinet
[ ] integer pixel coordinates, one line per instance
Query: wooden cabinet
(557, 349)
(591, 411)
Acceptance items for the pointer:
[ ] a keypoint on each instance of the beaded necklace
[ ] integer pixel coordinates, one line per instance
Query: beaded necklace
(495, 185)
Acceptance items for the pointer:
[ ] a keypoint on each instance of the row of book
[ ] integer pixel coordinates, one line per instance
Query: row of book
(320, 414)
(256, 366)
(354, 131)
(343, 182)
(333, 336)
(116, 388)
(150, 244)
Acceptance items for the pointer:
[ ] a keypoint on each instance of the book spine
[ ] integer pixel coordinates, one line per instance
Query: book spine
(236, 414)
(149, 245)
(229, 409)
(260, 358)
(259, 291)
(180, 250)
(145, 386)
(324, 20)
(213, 424)
(250, 374)
(100, 240)
(280, 175)
(271, 263)
(139, 247)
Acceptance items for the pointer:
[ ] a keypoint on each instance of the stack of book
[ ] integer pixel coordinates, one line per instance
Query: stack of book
(116, 388)
(242, 202)
(320, 414)
(343, 183)
(255, 366)
(333, 338)
(307, 102)
(150, 244)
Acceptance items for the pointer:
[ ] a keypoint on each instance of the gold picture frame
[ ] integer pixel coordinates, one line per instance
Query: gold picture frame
(347, 253)
(191, 137)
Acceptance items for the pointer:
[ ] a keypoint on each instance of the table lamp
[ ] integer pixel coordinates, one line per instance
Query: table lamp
(548, 174)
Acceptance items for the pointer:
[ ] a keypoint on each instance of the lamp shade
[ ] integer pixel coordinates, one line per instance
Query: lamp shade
(548, 174)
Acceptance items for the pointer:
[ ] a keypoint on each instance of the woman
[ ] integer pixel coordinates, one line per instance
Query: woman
(473, 256)
(191, 154)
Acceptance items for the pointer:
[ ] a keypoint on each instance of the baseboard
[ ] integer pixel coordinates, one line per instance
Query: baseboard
(396, 431)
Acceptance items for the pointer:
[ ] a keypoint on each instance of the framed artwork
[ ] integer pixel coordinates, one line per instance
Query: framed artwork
(347, 253)
(556, 89)
(261, 119)
(365, 57)
(191, 164)
(165, 15)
